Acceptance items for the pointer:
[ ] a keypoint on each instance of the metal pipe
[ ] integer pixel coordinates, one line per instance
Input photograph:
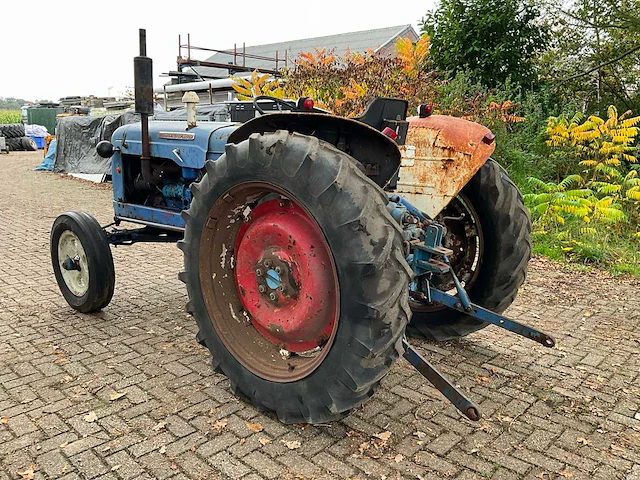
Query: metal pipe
(143, 42)
(202, 85)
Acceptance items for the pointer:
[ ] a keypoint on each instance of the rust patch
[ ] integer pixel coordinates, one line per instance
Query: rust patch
(440, 156)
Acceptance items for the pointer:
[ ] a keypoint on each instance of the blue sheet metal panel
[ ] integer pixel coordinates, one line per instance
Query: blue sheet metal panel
(117, 177)
(188, 148)
(147, 215)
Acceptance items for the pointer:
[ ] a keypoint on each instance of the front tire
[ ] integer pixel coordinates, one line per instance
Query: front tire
(82, 261)
(501, 232)
(293, 204)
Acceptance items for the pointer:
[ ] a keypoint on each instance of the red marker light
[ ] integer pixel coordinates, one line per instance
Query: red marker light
(489, 138)
(424, 110)
(390, 132)
(308, 104)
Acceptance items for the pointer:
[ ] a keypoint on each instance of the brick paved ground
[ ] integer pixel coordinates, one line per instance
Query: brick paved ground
(129, 394)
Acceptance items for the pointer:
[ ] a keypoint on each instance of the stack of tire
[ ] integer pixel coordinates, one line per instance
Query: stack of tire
(16, 138)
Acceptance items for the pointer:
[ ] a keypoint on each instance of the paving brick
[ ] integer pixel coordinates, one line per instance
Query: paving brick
(54, 464)
(263, 464)
(125, 466)
(443, 443)
(88, 464)
(584, 388)
(333, 465)
(217, 444)
(228, 465)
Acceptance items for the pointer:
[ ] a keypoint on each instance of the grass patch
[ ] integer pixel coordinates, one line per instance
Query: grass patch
(615, 251)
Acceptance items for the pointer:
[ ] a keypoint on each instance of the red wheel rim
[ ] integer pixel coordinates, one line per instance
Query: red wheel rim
(284, 276)
(269, 281)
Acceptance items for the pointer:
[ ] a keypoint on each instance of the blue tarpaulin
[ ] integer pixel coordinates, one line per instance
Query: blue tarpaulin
(47, 161)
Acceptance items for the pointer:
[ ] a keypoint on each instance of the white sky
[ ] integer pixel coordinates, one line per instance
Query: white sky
(65, 48)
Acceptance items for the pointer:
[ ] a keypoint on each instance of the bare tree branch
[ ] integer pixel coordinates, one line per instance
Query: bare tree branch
(598, 67)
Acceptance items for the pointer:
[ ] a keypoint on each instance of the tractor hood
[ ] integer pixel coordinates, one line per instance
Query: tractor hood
(188, 148)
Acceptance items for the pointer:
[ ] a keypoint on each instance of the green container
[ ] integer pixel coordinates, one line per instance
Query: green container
(45, 116)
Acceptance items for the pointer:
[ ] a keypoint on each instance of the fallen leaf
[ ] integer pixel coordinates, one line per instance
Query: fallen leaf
(62, 445)
(398, 458)
(66, 379)
(29, 473)
(364, 446)
(583, 441)
(242, 440)
(62, 470)
(617, 447)
(541, 474)
(420, 435)
(263, 441)
(4, 419)
(254, 427)
(116, 395)
(291, 444)
(220, 424)
(158, 426)
(384, 436)
(163, 449)
(565, 473)
(481, 379)
(90, 417)
(115, 467)
(505, 419)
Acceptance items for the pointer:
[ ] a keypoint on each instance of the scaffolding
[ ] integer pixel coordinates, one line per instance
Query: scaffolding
(239, 63)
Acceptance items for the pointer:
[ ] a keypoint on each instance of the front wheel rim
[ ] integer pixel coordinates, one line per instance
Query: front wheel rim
(269, 281)
(73, 263)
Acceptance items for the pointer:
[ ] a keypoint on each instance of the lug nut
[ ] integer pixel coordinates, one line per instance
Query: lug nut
(273, 296)
(267, 263)
(278, 270)
(281, 288)
(258, 272)
(261, 288)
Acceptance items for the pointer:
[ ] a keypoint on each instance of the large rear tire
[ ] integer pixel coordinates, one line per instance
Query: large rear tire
(313, 340)
(501, 228)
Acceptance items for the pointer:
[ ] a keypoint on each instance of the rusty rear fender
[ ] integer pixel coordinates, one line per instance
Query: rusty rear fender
(439, 157)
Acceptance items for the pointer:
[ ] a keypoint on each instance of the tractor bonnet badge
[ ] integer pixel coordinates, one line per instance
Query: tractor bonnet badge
(177, 135)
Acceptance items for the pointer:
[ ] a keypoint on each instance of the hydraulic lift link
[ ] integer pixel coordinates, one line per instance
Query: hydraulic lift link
(449, 390)
(485, 315)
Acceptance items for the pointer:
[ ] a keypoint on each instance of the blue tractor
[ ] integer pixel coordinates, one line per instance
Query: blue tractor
(311, 240)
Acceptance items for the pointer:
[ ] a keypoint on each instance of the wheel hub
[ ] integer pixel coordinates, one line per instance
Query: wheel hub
(74, 266)
(284, 276)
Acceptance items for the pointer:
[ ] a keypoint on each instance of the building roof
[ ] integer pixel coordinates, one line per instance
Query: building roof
(376, 40)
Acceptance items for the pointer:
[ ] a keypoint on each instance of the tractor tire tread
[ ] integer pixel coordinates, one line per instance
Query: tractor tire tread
(376, 318)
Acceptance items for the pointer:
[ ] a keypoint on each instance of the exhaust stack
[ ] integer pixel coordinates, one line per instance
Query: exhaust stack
(143, 88)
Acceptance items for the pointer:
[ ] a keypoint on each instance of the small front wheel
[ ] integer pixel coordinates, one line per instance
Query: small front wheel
(82, 261)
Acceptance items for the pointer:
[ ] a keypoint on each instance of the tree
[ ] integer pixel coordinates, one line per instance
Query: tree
(493, 39)
(11, 103)
(594, 59)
